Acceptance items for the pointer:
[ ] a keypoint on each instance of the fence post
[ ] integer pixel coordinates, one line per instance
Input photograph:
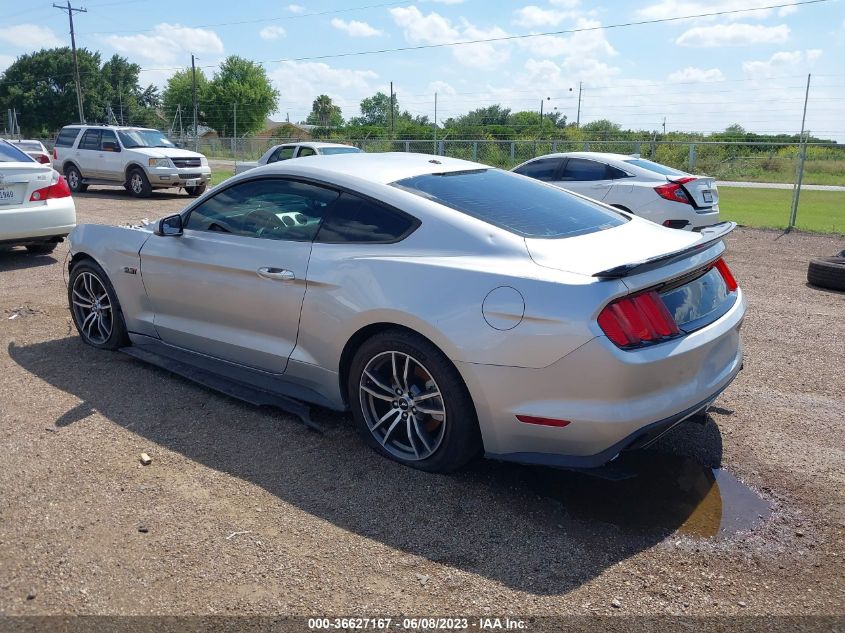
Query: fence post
(441, 150)
(691, 160)
(407, 146)
(364, 145)
(513, 150)
(637, 146)
(554, 147)
(586, 147)
(475, 150)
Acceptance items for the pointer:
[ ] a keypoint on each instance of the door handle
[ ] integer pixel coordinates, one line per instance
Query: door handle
(276, 274)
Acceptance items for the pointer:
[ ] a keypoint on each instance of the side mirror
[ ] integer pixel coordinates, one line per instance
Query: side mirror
(170, 226)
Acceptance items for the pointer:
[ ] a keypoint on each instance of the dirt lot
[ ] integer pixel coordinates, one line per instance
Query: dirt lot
(246, 511)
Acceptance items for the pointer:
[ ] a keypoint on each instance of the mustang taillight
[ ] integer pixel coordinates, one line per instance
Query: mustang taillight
(56, 190)
(674, 191)
(643, 318)
(637, 319)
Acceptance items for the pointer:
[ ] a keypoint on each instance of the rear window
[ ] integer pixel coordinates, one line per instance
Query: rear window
(28, 146)
(526, 207)
(657, 168)
(354, 219)
(328, 151)
(542, 169)
(66, 137)
(11, 154)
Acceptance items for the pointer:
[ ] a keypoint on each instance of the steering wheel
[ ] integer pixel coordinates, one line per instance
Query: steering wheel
(263, 221)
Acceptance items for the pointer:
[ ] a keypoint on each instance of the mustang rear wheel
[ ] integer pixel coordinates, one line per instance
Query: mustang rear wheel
(94, 306)
(410, 403)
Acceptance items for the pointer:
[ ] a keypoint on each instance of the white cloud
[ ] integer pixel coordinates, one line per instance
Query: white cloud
(436, 29)
(296, 8)
(6, 61)
(272, 32)
(592, 43)
(691, 74)
(30, 36)
(534, 16)
(675, 8)
(736, 34)
(354, 28)
(300, 82)
(442, 87)
(780, 61)
(168, 43)
(566, 4)
(448, 1)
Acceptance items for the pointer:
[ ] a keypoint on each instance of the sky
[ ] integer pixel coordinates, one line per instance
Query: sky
(701, 74)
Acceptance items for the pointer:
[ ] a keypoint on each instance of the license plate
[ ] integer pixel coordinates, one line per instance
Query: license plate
(708, 196)
(193, 182)
(6, 195)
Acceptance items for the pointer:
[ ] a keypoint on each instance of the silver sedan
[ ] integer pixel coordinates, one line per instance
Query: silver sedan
(454, 308)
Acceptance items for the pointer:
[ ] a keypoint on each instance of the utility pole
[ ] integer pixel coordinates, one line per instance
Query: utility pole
(435, 122)
(796, 192)
(664, 126)
(120, 98)
(70, 11)
(578, 119)
(235, 129)
(194, 93)
(392, 129)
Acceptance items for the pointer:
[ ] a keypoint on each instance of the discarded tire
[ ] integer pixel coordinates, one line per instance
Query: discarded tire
(827, 272)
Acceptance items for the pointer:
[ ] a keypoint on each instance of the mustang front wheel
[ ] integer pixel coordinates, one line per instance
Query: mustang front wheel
(410, 403)
(93, 304)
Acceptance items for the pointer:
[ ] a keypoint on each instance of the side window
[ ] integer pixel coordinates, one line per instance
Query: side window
(108, 141)
(283, 153)
(66, 137)
(269, 208)
(354, 219)
(615, 174)
(581, 169)
(90, 140)
(305, 151)
(543, 169)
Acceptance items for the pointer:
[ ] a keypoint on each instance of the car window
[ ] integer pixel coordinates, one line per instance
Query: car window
(29, 146)
(582, 169)
(90, 140)
(355, 219)
(283, 153)
(11, 154)
(520, 205)
(268, 208)
(305, 151)
(657, 168)
(108, 137)
(328, 151)
(66, 137)
(542, 169)
(615, 174)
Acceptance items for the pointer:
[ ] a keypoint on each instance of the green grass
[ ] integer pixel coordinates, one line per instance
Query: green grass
(219, 175)
(818, 211)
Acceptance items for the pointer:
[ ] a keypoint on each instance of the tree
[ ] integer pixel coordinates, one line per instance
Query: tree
(602, 126)
(239, 88)
(179, 93)
(325, 113)
(40, 86)
(131, 104)
(375, 110)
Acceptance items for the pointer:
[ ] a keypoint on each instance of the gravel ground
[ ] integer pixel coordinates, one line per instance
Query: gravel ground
(245, 511)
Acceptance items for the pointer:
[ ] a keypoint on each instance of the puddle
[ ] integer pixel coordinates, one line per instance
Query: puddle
(669, 493)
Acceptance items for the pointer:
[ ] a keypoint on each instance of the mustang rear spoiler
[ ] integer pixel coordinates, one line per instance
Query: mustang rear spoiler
(709, 236)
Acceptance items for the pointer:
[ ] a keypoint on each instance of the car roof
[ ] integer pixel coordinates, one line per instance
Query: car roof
(318, 144)
(381, 168)
(79, 126)
(595, 155)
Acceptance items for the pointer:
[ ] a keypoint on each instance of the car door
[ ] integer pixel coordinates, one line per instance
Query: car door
(109, 157)
(231, 286)
(86, 154)
(585, 176)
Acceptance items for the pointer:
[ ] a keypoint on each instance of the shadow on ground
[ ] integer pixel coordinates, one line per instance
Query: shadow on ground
(18, 258)
(119, 193)
(533, 529)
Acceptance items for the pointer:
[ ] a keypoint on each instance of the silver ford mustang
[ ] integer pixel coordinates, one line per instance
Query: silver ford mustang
(454, 308)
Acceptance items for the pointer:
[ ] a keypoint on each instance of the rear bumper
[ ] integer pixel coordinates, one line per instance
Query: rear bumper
(52, 219)
(611, 397)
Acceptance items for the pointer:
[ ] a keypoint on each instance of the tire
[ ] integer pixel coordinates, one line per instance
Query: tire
(828, 272)
(139, 185)
(106, 330)
(434, 433)
(45, 248)
(74, 180)
(195, 191)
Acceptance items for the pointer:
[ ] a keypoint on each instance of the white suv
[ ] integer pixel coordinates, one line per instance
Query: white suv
(140, 159)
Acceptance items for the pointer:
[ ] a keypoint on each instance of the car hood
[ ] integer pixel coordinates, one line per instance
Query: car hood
(162, 152)
(633, 241)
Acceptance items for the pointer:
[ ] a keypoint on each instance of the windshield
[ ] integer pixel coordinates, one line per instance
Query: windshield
(29, 146)
(655, 167)
(144, 138)
(515, 203)
(11, 154)
(328, 151)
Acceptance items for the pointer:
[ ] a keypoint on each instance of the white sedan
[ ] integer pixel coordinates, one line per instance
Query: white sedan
(287, 151)
(650, 190)
(34, 149)
(36, 208)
